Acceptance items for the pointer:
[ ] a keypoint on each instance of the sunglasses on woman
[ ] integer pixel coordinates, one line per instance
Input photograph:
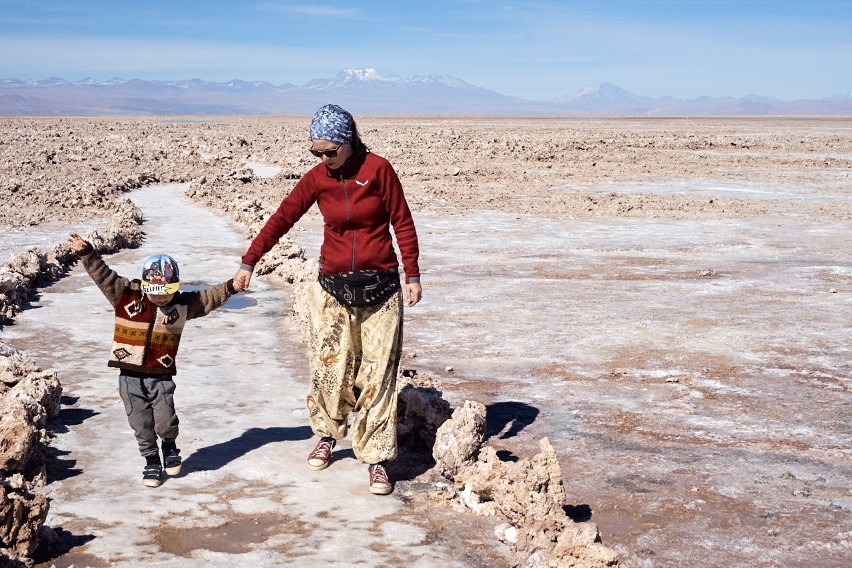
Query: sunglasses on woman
(327, 153)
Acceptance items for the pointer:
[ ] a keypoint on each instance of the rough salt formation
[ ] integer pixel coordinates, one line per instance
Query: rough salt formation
(29, 398)
(286, 261)
(62, 169)
(421, 411)
(528, 494)
(24, 273)
(20, 276)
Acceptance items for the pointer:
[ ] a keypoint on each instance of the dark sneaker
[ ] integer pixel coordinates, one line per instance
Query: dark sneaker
(319, 458)
(379, 482)
(151, 474)
(172, 461)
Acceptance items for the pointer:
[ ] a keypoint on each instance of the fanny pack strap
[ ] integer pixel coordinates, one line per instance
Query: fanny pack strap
(360, 288)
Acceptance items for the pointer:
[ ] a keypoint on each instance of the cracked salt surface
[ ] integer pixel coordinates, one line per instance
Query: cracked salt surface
(263, 171)
(582, 322)
(15, 240)
(738, 189)
(529, 292)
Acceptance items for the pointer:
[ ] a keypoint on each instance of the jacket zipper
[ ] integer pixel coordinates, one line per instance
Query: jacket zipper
(348, 216)
(148, 336)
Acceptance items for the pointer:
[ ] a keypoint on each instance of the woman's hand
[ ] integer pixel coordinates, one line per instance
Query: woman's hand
(242, 279)
(413, 293)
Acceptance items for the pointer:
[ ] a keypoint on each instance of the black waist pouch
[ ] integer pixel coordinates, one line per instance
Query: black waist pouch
(361, 287)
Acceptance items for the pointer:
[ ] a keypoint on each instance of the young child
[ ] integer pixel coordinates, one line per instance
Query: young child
(149, 317)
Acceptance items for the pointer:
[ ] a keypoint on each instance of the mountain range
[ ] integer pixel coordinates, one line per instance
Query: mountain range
(365, 91)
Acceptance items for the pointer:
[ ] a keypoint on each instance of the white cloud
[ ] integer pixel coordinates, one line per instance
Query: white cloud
(312, 10)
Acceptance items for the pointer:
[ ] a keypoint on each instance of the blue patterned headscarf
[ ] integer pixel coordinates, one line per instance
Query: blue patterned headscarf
(333, 123)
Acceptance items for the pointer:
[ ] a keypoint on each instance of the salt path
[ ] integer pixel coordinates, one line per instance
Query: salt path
(245, 497)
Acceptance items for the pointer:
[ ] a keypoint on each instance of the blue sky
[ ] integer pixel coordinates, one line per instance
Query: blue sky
(532, 49)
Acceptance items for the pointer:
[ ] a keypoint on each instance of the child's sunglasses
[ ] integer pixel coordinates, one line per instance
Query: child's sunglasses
(327, 153)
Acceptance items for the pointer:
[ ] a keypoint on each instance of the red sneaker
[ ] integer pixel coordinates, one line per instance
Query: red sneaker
(379, 482)
(319, 458)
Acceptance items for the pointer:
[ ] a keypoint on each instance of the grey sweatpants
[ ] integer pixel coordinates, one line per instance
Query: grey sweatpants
(150, 406)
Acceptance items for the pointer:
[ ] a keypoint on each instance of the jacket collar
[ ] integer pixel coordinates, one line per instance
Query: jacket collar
(350, 167)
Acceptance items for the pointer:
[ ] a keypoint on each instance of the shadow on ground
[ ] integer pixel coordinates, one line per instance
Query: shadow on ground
(58, 543)
(218, 455)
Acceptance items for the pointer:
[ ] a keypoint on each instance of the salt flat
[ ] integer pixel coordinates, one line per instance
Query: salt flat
(667, 300)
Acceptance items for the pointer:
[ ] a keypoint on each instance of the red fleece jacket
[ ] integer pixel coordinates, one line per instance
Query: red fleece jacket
(359, 203)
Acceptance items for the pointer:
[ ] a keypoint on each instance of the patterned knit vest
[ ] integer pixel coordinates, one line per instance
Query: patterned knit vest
(146, 337)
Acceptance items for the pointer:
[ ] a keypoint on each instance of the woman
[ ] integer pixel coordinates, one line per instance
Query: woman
(355, 305)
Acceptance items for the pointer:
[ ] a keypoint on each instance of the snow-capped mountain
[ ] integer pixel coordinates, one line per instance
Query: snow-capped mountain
(845, 96)
(350, 78)
(360, 90)
(606, 98)
(604, 93)
(609, 99)
(365, 91)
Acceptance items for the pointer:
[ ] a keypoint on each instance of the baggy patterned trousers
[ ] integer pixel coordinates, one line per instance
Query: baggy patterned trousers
(354, 359)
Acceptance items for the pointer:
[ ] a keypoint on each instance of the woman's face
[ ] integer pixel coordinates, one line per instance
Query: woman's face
(342, 151)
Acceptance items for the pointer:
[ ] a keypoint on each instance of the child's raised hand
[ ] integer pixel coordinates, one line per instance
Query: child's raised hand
(78, 244)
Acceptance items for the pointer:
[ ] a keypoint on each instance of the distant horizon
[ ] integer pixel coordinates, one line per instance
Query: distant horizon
(539, 50)
(409, 77)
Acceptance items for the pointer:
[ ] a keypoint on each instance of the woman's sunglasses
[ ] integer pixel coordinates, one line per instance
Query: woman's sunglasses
(327, 153)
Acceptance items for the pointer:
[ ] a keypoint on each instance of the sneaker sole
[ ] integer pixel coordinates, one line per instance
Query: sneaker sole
(319, 467)
(151, 482)
(381, 489)
(174, 470)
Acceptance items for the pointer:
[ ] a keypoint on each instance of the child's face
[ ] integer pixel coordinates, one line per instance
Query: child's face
(160, 299)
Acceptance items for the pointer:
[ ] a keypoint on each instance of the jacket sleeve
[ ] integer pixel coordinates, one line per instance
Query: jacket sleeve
(290, 210)
(199, 303)
(109, 282)
(402, 223)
